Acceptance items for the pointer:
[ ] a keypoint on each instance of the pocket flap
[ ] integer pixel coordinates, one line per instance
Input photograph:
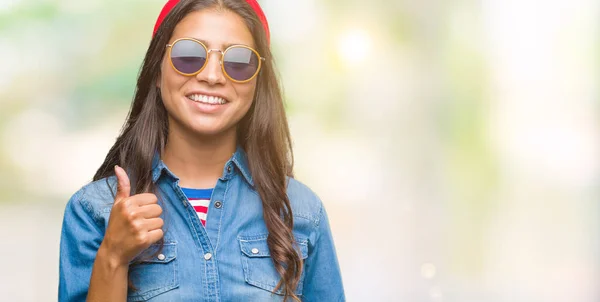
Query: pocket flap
(258, 247)
(153, 273)
(154, 253)
(255, 247)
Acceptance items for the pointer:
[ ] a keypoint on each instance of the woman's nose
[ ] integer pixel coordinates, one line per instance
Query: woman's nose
(212, 72)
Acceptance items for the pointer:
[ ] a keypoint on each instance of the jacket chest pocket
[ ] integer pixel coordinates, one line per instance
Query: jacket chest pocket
(155, 273)
(258, 266)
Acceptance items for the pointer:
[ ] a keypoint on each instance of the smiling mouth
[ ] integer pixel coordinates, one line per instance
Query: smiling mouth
(207, 99)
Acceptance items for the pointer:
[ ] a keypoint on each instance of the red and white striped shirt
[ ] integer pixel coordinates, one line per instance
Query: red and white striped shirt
(199, 199)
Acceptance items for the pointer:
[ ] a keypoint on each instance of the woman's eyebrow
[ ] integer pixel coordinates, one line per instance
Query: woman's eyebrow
(225, 46)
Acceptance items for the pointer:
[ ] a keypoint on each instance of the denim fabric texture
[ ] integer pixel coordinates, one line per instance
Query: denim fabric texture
(228, 260)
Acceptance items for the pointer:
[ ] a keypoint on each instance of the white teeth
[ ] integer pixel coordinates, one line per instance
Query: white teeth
(207, 99)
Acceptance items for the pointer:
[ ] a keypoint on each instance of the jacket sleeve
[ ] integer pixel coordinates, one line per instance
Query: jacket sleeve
(80, 239)
(322, 280)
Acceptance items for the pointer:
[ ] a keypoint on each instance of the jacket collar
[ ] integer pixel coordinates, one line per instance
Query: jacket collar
(237, 162)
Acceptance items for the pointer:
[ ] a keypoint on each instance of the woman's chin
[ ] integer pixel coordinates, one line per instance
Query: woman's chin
(209, 130)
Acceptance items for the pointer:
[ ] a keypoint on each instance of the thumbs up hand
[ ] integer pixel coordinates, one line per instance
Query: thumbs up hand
(134, 222)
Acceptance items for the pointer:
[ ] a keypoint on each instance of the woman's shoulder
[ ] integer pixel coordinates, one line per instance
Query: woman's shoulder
(304, 201)
(96, 195)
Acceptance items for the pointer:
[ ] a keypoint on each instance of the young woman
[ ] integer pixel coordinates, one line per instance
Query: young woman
(196, 201)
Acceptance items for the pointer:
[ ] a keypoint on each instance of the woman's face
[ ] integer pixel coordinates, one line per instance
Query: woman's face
(184, 96)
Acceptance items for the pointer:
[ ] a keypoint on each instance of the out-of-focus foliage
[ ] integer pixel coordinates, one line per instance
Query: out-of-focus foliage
(454, 143)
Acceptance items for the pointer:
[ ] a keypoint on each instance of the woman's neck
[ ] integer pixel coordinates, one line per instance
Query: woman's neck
(198, 161)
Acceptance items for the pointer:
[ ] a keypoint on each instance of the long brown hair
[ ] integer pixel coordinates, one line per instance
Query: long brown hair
(263, 133)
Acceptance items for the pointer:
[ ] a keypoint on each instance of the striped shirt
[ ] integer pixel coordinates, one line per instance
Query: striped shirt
(199, 199)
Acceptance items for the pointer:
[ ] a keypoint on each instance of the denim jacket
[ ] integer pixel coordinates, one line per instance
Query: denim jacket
(228, 260)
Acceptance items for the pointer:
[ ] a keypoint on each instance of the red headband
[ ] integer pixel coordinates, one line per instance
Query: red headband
(253, 3)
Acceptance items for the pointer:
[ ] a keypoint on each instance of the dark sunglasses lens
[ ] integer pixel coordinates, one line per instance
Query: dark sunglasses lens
(240, 63)
(188, 56)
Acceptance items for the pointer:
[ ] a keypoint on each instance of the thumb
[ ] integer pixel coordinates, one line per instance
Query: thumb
(123, 184)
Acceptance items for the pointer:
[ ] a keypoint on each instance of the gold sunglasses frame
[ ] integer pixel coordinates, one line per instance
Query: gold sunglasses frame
(223, 52)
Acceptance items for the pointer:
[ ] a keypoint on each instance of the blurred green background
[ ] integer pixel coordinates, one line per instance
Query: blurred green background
(455, 143)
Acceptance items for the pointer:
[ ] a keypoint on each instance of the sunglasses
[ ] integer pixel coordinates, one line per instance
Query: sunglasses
(239, 63)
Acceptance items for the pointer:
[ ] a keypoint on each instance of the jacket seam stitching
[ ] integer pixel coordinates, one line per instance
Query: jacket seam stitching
(89, 209)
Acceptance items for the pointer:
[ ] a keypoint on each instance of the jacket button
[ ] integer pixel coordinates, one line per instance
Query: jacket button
(218, 204)
(161, 257)
(228, 169)
(254, 251)
(207, 256)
